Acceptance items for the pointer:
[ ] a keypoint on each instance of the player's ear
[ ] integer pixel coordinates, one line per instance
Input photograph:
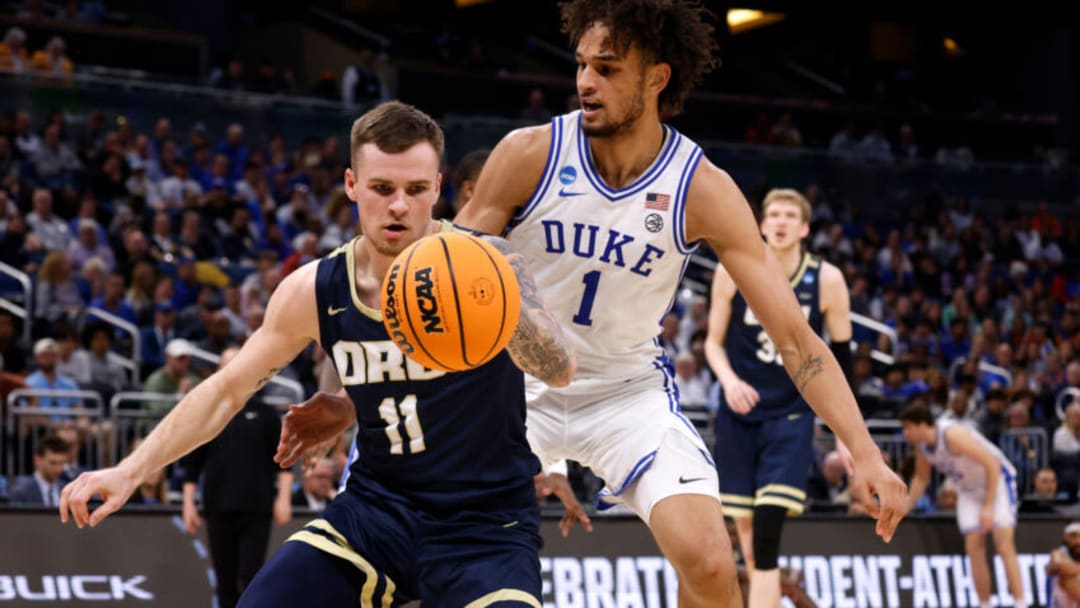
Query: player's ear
(438, 183)
(350, 184)
(804, 231)
(658, 76)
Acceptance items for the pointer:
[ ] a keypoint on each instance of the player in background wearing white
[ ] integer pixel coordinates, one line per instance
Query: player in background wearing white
(764, 435)
(607, 204)
(986, 499)
(1064, 570)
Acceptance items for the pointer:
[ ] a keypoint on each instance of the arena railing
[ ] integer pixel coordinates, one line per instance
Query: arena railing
(22, 312)
(1028, 449)
(984, 367)
(27, 422)
(131, 420)
(1064, 397)
(130, 363)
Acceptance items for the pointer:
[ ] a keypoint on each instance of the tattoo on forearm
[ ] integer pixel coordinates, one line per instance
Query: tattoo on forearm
(811, 367)
(269, 375)
(538, 345)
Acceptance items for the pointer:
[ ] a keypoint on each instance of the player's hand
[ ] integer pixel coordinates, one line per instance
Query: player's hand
(190, 515)
(282, 510)
(114, 485)
(986, 518)
(740, 396)
(878, 480)
(557, 484)
(311, 426)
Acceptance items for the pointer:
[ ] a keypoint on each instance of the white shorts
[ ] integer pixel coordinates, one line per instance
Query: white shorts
(969, 505)
(616, 428)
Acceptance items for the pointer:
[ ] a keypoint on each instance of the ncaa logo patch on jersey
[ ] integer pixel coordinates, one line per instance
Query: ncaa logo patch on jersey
(654, 222)
(567, 175)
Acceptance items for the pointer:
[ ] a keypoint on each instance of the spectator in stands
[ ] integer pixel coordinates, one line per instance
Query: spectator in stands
(55, 163)
(669, 331)
(844, 144)
(316, 486)
(692, 391)
(13, 55)
(1064, 570)
(784, 132)
(107, 377)
(465, 175)
(828, 487)
(71, 359)
(143, 192)
(43, 488)
(14, 355)
(535, 111)
(232, 78)
(361, 83)
(48, 378)
(959, 409)
(163, 247)
(173, 378)
(906, 148)
(1046, 486)
(874, 147)
(154, 338)
(53, 231)
(344, 225)
(991, 418)
(113, 301)
(179, 187)
(52, 59)
(56, 295)
(26, 140)
(87, 245)
(71, 436)
(195, 243)
(234, 150)
(1066, 440)
(305, 249)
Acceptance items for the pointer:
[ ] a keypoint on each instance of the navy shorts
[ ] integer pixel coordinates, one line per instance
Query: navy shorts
(763, 462)
(373, 551)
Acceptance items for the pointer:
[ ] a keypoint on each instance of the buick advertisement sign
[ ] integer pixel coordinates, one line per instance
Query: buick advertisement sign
(146, 559)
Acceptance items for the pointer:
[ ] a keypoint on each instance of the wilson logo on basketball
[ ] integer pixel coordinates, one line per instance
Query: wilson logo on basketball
(390, 313)
(426, 302)
(482, 291)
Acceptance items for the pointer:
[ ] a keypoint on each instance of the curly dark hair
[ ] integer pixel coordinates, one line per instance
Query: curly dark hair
(676, 32)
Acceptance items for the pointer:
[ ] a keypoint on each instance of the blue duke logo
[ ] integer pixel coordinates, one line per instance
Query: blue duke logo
(567, 175)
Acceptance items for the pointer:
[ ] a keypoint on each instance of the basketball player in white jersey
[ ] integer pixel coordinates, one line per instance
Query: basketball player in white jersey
(985, 491)
(607, 204)
(764, 430)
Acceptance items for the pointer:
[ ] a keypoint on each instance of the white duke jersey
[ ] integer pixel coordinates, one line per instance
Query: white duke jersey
(608, 261)
(968, 475)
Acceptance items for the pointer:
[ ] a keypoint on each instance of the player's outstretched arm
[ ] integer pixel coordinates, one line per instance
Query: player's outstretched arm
(717, 213)
(289, 326)
(739, 396)
(509, 177)
(538, 345)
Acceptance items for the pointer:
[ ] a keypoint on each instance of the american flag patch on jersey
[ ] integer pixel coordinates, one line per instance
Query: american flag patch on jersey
(656, 201)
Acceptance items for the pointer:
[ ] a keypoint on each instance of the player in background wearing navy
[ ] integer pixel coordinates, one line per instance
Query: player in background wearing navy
(764, 437)
(607, 205)
(986, 500)
(439, 504)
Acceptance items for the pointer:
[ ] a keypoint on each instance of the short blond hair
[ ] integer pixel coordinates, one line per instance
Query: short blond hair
(787, 195)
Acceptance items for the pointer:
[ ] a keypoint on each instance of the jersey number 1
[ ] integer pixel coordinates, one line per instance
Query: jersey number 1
(591, 280)
(392, 412)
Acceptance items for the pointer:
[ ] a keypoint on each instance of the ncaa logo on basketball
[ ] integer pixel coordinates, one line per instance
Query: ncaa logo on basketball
(391, 318)
(567, 175)
(426, 302)
(654, 222)
(482, 291)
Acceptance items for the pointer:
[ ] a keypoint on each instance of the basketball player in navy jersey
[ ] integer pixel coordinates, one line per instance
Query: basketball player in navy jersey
(764, 433)
(439, 503)
(607, 204)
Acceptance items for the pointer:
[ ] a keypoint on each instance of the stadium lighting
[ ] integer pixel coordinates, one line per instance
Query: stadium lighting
(743, 19)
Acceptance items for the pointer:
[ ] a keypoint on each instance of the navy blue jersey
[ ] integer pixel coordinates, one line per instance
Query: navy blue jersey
(442, 441)
(755, 358)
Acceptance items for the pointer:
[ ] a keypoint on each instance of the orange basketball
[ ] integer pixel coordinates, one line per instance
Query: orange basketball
(450, 301)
